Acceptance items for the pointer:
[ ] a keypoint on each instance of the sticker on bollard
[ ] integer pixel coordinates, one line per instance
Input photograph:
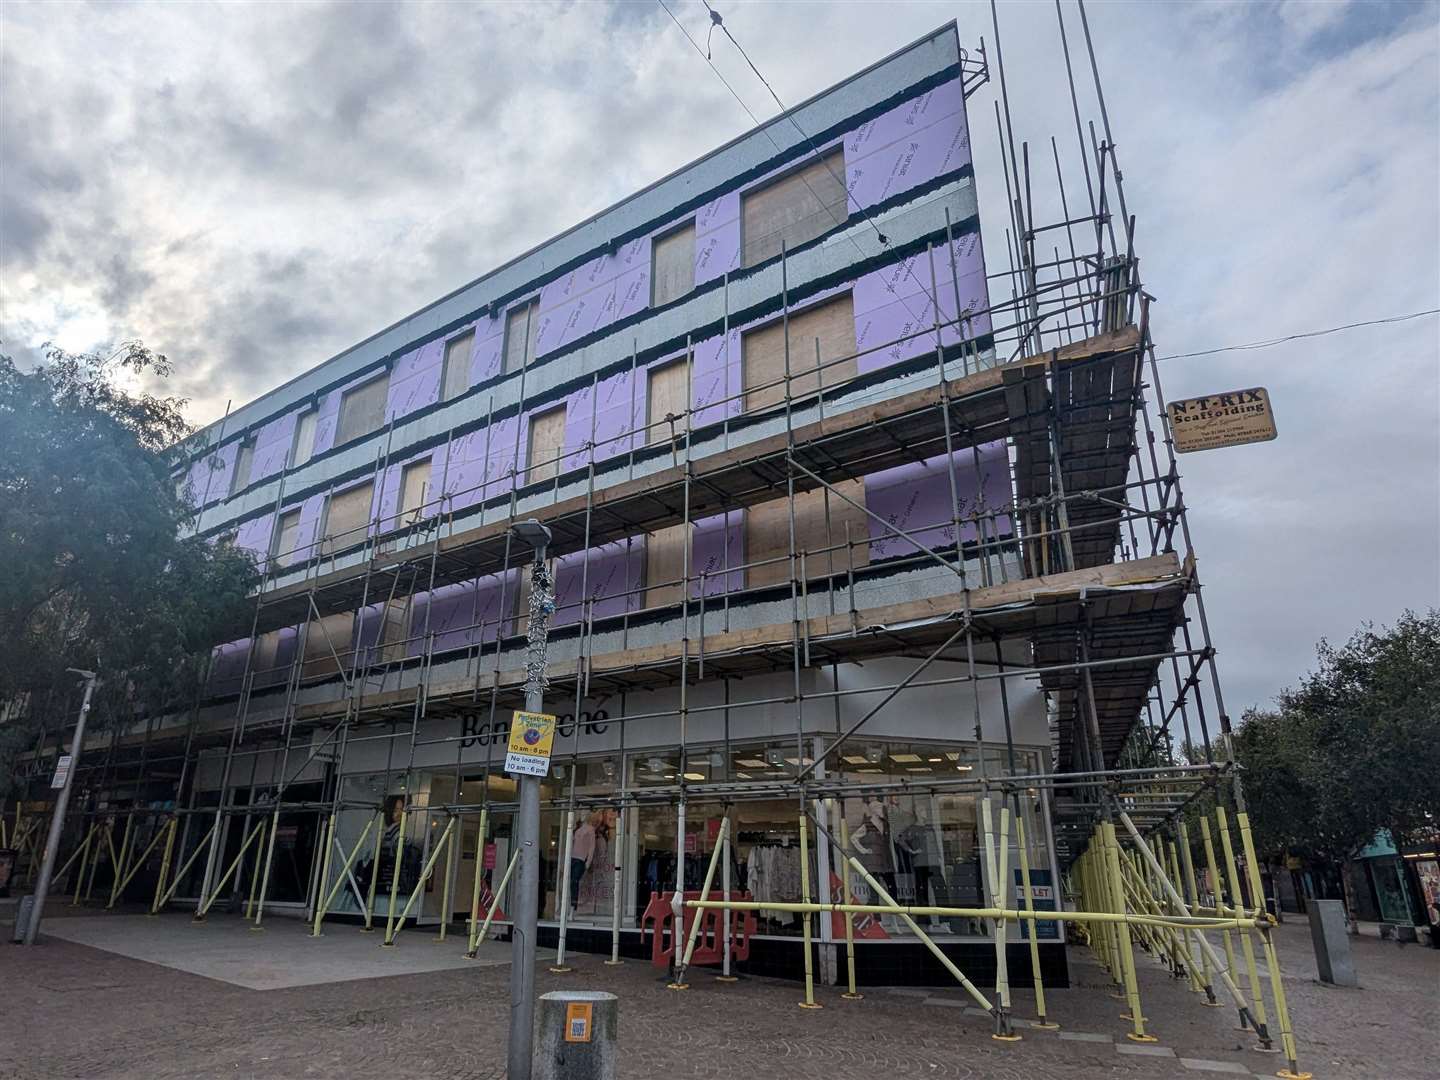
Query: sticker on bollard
(577, 1035)
(577, 1021)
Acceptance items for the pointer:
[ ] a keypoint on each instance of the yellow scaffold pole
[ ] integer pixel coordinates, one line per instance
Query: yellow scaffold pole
(389, 941)
(123, 862)
(1272, 960)
(239, 855)
(83, 853)
(170, 830)
(425, 873)
(479, 876)
(1042, 1022)
(205, 841)
(269, 861)
(809, 1002)
(138, 863)
(1192, 898)
(1001, 875)
(369, 927)
(849, 896)
(1122, 933)
(324, 908)
(445, 911)
(328, 832)
(680, 983)
(477, 936)
(255, 876)
(1262, 1025)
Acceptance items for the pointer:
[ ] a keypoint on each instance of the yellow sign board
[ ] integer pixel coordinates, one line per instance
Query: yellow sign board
(1233, 418)
(531, 737)
(578, 1021)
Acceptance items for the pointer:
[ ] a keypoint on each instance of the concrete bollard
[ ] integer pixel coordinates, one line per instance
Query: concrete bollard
(1332, 943)
(578, 1031)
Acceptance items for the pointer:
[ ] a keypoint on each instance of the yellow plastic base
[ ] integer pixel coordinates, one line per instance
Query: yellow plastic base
(561, 970)
(1213, 1004)
(613, 963)
(468, 956)
(1286, 1074)
(367, 930)
(810, 1005)
(1140, 1038)
(387, 944)
(853, 997)
(1047, 1026)
(1128, 1016)
(677, 986)
(1262, 1049)
(727, 978)
(256, 929)
(1007, 1038)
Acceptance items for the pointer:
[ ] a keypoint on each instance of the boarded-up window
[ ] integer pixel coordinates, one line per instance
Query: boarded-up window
(346, 515)
(668, 395)
(767, 535)
(456, 378)
(521, 326)
(414, 490)
(304, 445)
(665, 564)
(327, 645)
(673, 274)
(362, 410)
(287, 534)
(547, 438)
(794, 208)
(831, 323)
(244, 464)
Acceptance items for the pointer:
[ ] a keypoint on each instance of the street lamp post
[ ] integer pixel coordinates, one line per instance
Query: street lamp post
(527, 904)
(62, 801)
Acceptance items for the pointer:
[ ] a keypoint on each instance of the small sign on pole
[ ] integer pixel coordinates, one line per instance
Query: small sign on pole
(62, 772)
(531, 736)
(1233, 418)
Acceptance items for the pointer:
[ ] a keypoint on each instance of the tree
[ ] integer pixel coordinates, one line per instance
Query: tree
(1354, 749)
(95, 569)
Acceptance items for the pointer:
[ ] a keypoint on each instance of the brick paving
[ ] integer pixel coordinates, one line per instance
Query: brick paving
(75, 1011)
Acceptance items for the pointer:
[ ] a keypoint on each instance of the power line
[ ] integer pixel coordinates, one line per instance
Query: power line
(1306, 334)
(716, 20)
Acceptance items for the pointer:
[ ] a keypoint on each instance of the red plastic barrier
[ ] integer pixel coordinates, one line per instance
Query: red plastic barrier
(659, 916)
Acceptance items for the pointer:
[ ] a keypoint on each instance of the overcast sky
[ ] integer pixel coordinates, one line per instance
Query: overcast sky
(251, 189)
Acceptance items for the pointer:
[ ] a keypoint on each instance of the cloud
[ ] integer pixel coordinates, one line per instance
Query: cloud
(252, 188)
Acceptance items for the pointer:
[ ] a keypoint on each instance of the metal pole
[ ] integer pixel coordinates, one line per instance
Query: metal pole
(57, 819)
(562, 894)
(525, 915)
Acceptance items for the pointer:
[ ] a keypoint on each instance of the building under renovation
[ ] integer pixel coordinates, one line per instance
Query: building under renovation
(870, 565)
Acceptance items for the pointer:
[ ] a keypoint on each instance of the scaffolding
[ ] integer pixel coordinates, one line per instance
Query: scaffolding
(1087, 568)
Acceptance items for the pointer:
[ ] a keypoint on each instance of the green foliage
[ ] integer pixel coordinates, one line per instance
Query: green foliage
(1354, 749)
(94, 572)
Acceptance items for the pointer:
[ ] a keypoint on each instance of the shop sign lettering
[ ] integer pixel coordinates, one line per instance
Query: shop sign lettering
(477, 730)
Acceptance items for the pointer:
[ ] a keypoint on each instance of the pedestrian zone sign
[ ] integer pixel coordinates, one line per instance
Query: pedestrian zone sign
(531, 736)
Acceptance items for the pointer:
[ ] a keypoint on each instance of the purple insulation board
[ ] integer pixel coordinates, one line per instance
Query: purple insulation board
(717, 238)
(227, 667)
(621, 410)
(254, 535)
(415, 380)
(917, 498)
(910, 145)
(611, 578)
(579, 416)
(272, 446)
(896, 301)
(715, 382)
(594, 295)
(719, 543)
(210, 476)
(487, 355)
(463, 614)
(326, 416)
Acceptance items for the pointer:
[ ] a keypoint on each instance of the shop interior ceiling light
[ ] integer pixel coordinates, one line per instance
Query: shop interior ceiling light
(694, 776)
(904, 758)
(855, 759)
(750, 763)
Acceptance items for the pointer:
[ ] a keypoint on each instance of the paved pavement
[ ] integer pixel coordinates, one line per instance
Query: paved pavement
(75, 1010)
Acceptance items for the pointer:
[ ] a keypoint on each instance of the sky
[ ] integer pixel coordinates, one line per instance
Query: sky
(252, 188)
